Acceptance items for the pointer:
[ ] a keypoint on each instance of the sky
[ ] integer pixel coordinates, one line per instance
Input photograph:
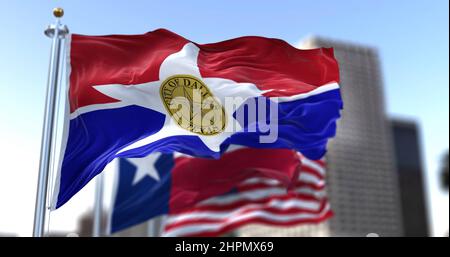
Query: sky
(411, 36)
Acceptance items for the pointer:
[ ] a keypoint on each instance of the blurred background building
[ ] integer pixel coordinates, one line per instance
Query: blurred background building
(444, 172)
(411, 177)
(86, 225)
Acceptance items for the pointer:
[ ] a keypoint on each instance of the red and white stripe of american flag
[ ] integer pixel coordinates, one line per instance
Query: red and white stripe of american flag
(257, 200)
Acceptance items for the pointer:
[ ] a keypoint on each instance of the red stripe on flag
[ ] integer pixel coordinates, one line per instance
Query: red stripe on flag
(243, 202)
(297, 185)
(261, 221)
(228, 224)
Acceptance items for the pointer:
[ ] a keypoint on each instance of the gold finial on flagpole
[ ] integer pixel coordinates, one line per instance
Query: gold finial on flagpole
(58, 12)
(62, 29)
(57, 33)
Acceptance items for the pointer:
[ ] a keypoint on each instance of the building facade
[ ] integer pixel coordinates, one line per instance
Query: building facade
(410, 174)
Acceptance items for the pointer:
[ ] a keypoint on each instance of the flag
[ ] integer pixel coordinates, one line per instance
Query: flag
(160, 184)
(208, 202)
(257, 201)
(131, 95)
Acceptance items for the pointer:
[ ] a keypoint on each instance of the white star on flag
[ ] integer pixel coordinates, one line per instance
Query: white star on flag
(145, 167)
(147, 95)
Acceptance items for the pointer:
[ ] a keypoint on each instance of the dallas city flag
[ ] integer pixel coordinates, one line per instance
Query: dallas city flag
(203, 197)
(125, 93)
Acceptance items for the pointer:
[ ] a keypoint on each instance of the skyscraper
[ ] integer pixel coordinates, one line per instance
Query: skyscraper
(409, 167)
(362, 177)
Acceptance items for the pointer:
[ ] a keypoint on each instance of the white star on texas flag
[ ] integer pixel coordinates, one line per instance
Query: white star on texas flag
(147, 95)
(145, 167)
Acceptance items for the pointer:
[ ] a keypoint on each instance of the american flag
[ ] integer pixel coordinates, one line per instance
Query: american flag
(257, 200)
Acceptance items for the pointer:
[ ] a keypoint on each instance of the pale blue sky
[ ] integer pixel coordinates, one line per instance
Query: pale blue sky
(412, 38)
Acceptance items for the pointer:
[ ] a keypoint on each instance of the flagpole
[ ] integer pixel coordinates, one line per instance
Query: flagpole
(155, 227)
(98, 205)
(151, 228)
(57, 32)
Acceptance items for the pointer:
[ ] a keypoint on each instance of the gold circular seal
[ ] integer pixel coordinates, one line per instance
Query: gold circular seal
(192, 105)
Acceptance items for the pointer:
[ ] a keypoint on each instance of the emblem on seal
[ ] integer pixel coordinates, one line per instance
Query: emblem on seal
(192, 105)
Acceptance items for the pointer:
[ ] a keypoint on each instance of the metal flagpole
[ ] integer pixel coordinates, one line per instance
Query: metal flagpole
(155, 226)
(98, 205)
(162, 224)
(57, 32)
(151, 228)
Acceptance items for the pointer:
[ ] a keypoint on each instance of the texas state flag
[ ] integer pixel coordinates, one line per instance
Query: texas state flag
(131, 95)
(160, 184)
